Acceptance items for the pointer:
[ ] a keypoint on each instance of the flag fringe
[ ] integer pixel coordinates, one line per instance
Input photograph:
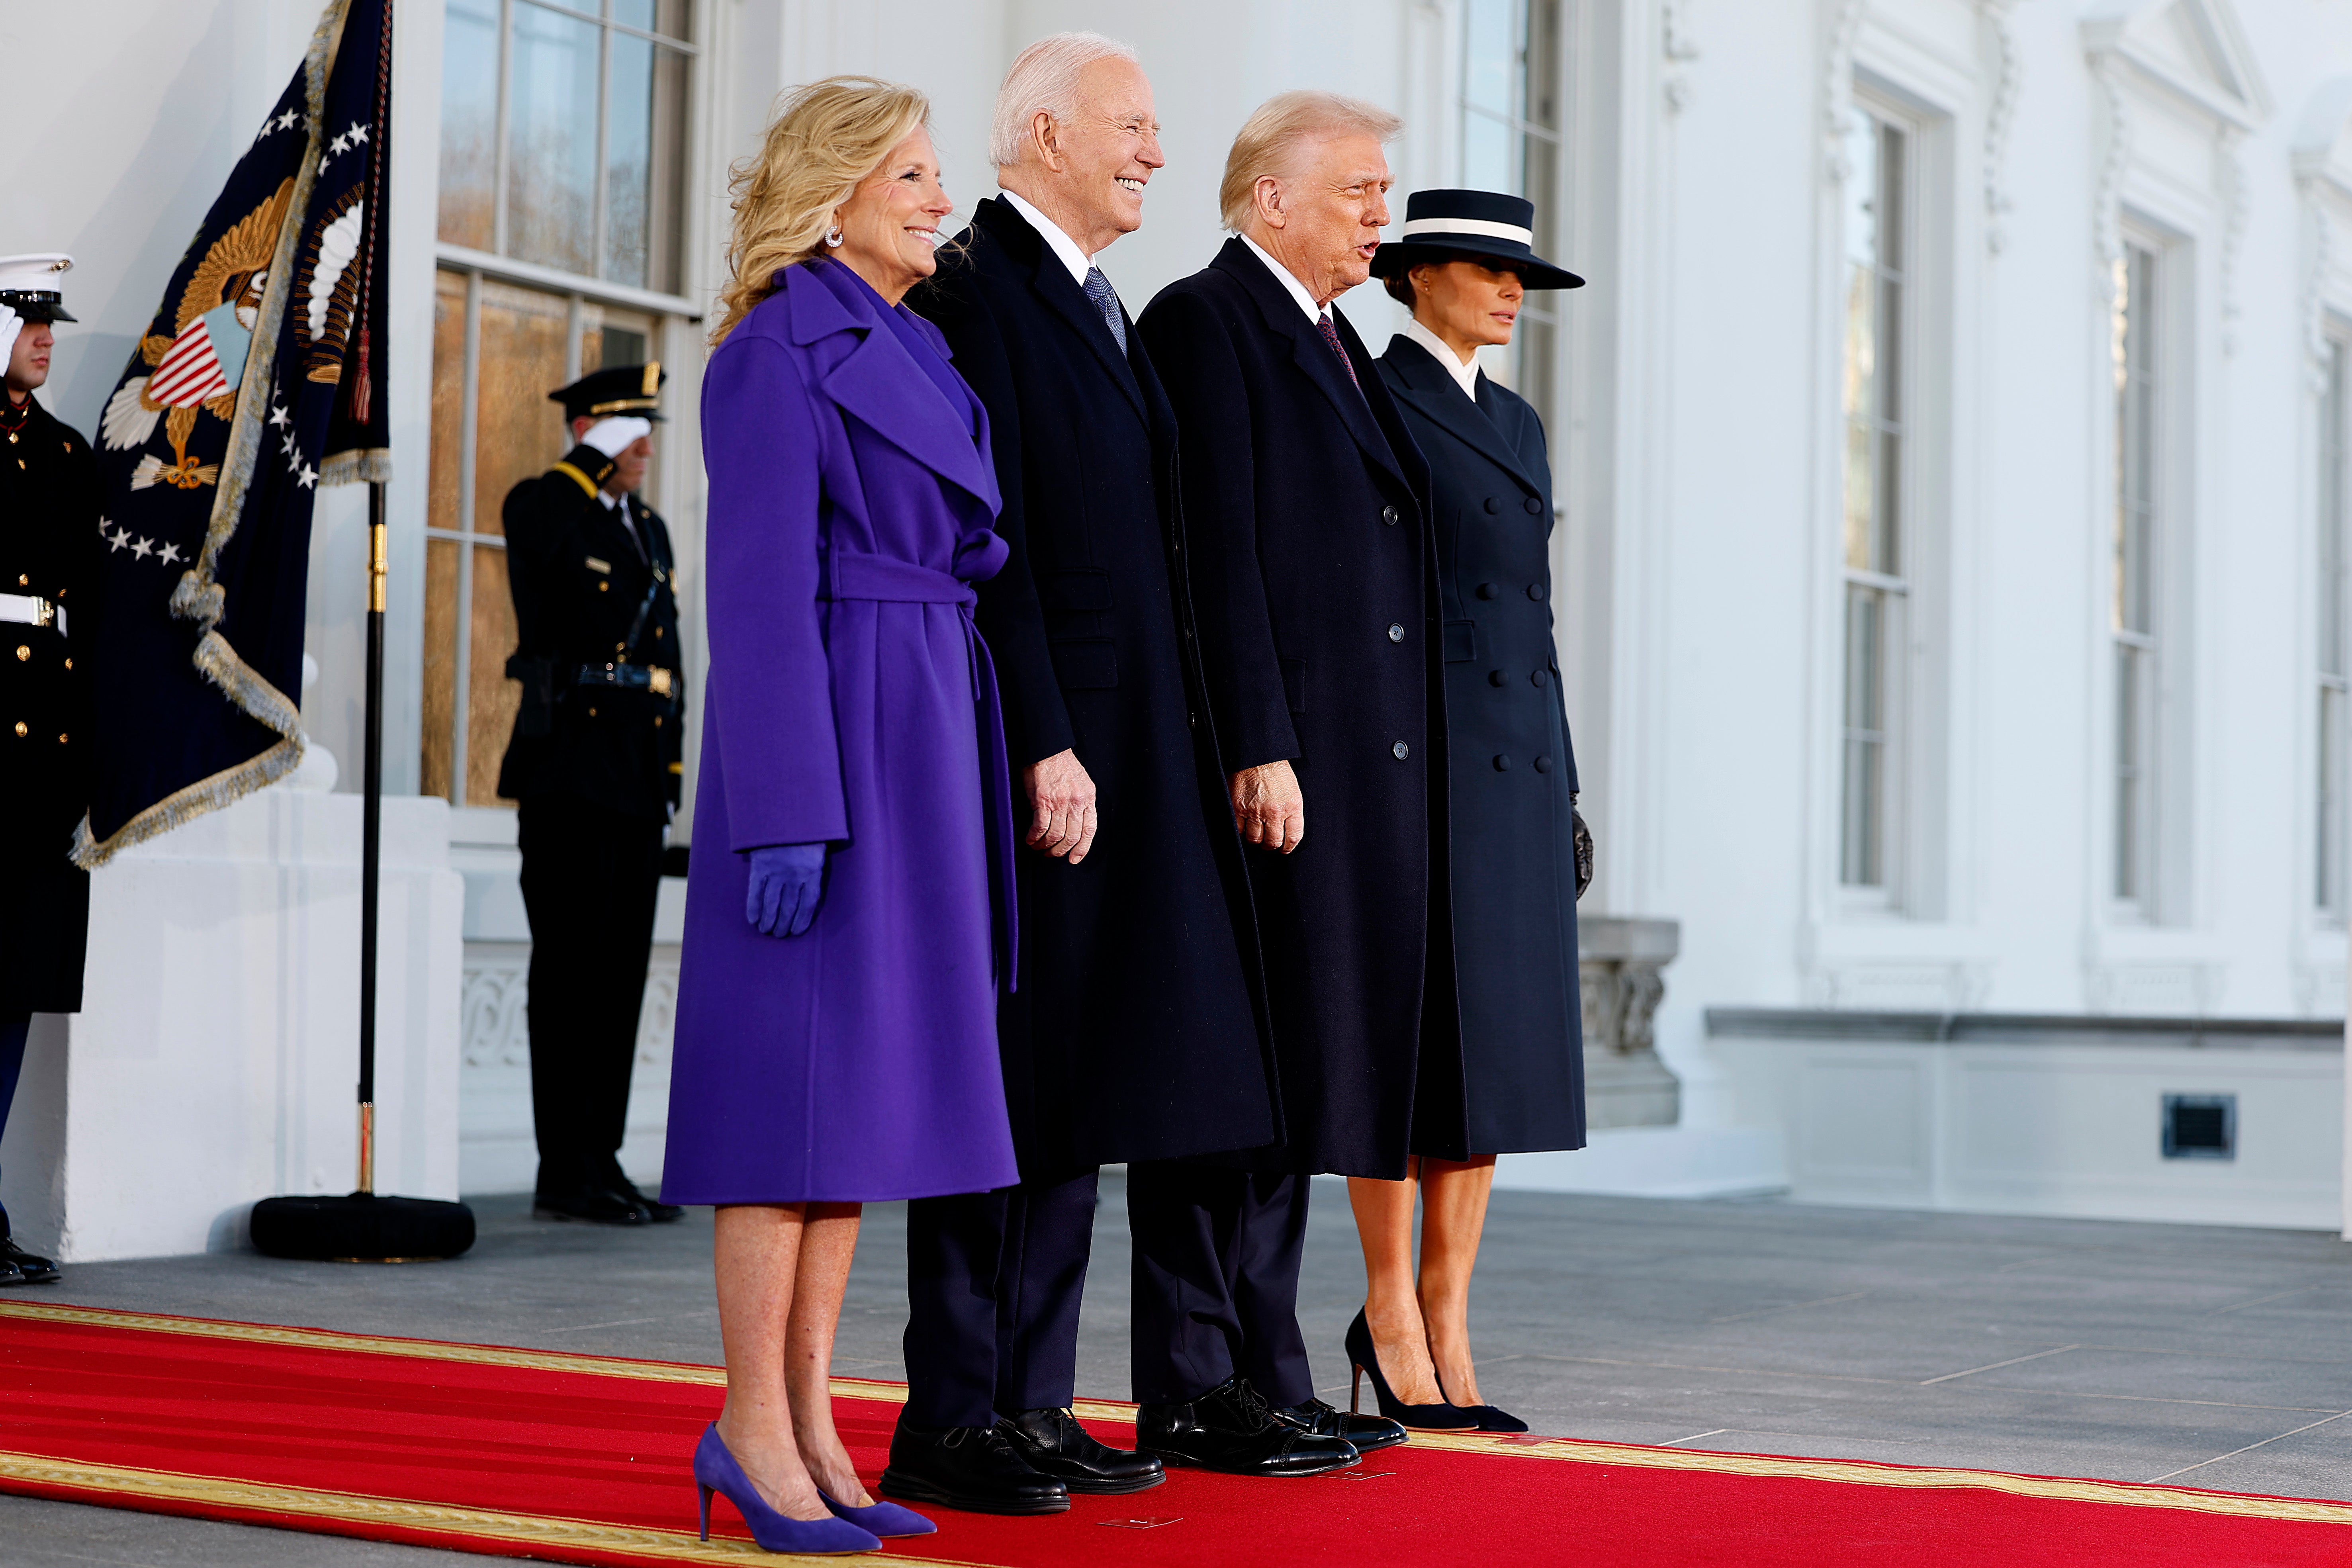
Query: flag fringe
(360, 466)
(184, 805)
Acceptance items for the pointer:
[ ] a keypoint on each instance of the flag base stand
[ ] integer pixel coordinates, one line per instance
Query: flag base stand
(363, 1227)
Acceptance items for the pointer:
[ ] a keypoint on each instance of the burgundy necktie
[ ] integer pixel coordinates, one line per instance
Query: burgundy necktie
(1331, 335)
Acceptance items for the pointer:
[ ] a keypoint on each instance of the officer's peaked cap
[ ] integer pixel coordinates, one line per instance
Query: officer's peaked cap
(631, 389)
(28, 286)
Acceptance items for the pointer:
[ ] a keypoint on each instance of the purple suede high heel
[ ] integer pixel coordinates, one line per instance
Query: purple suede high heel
(880, 1517)
(715, 1470)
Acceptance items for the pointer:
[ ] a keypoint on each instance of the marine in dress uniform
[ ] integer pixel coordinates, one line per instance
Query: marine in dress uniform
(49, 577)
(594, 763)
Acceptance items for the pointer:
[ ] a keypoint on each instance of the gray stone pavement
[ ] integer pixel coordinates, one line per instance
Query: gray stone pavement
(2208, 1357)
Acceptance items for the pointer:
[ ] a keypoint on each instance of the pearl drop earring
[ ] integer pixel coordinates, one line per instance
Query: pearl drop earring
(833, 237)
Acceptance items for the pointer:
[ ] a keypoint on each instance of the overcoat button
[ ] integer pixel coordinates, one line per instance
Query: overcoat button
(1535, 507)
(604, 587)
(1487, 590)
(1400, 751)
(23, 652)
(1536, 592)
(1388, 515)
(1396, 632)
(1543, 765)
(1502, 764)
(1537, 676)
(1496, 677)
(1493, 506)
(21, 731)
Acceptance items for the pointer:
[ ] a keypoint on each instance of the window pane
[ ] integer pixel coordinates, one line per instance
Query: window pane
(1861, 513)
(1862, 190)
(516, 431)
(1490, 56)
(448, 399)
(1540, 101)
(1486, 160)
(2329, 882)
(1860, 861)
(668, 17)
(440, 662)
(2130, 773)
(644, 164)
(469, 119)
(1886, 369)
(2332, 519)
(492, 699)
(551, 139)
(1885, 555)
(1889, 183)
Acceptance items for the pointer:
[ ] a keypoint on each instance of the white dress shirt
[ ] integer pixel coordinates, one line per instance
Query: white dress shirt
(1076, 260)
(1465, 373)
(1284, 276)
(621, 504)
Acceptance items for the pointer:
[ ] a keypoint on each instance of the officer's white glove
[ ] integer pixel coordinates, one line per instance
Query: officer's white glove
(614, 436)
(10, 324)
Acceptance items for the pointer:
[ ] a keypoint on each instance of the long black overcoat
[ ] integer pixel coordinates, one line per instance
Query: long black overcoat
(1314, 577)
(578, 578)
(49, 550)
(1132, 1034)
(1511, 763)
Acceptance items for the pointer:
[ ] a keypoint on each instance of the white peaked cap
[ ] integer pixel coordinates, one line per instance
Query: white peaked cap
(37, 271)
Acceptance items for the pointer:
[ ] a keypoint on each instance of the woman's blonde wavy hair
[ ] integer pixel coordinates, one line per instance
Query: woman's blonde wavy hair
(825, 139)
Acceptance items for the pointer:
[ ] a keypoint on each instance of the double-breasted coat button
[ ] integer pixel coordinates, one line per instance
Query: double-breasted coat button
(1493, 506)
(1543, 765)
(1388, 515)
(1502, 764)
(1535, 507)
(1487, 590)
(1400, 751)
(1396, 631)
(1496, 677)
(1537, 676)
(22, 653)
(21, 731)
(1536, 592)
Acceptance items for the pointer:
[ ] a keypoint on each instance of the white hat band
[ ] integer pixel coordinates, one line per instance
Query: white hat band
(1468, 225)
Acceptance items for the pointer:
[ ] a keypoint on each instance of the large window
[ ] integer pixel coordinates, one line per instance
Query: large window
(562, 137)
(1877, 589)
(2133, 617)
(1511, 118)
(2328, 872)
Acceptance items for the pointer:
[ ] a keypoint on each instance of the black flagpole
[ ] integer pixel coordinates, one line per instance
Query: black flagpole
(371, 833)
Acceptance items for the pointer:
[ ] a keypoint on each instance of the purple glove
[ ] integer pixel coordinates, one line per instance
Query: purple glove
(787, 885)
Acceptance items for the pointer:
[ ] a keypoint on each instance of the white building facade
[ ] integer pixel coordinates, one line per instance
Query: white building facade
(1952, 554)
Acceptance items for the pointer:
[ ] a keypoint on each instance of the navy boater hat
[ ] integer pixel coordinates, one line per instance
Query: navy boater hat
(28, 286)
(1442, 225)
(631, 389)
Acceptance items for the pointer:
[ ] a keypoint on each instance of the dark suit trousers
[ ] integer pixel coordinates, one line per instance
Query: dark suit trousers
(993, 1281)
(13, 1032)
(590, 875)
(1216, 1282)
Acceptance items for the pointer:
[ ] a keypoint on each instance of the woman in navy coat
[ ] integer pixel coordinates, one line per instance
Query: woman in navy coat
(846, 916)
(1461, 265)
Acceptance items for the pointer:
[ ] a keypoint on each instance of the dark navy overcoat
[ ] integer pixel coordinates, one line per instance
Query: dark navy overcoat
(849, 703)
(1314, 579)
(1512, 767)
(1131, 1034)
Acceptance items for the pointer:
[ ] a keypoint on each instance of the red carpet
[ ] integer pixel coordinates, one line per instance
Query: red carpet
(583, 1459)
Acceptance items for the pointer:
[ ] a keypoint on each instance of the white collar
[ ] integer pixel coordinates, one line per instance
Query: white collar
(607, 498)
(1076, 260)
(1466, 376)
(1288, 279)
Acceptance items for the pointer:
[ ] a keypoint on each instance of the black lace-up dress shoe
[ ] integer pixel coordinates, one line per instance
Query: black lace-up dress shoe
(976, 1468)
(590, 1205)
(658, 1212)
(1366, 1432)
(1232, 1428)
(36, 1270)
(1057, 1446)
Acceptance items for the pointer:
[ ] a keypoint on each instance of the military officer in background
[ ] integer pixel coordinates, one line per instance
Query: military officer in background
(594, 761)
(49, 577)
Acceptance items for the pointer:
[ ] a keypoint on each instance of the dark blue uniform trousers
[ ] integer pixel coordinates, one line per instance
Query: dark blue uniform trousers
(993, 1283)
(13, 1031)
(1216, 1282)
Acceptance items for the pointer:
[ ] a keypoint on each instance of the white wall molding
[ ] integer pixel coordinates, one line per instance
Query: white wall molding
(2000, 114)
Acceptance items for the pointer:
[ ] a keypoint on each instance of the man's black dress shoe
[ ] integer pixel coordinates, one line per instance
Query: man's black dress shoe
(11, 1274)
(656, 1210)
(592, 1205)
(976, 1468)
(1366, 1432)
(1232, 1428)
(1057, 1446)
(35, 1270)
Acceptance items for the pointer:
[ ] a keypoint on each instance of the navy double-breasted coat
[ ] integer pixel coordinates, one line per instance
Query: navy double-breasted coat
(1511, 765)
(1314, 579)
(1132, 1034)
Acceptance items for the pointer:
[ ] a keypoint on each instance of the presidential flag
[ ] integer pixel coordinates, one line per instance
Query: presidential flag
(259, 379)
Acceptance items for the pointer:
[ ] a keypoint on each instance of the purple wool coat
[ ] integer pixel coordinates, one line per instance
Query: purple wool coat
(849, 700)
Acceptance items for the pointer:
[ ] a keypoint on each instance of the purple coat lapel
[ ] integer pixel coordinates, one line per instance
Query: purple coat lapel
(877, 380)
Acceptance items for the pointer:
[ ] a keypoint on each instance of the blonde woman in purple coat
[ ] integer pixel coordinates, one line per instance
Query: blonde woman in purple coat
(845, 926)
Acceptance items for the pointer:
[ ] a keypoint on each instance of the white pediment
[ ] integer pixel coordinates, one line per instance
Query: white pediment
(2192, 47)
(2323, 137)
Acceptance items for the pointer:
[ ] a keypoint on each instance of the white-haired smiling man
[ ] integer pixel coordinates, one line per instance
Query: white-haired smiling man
(1314, 582)
(1130, 1036)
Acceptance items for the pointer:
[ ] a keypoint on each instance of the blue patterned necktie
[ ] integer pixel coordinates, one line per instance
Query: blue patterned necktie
(1331, 335)
(1099, 290)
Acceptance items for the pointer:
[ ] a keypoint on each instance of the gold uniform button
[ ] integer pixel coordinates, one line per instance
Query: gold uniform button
(68, 664)
(23, 581)
(658, 631)
(20, 727)
(62, 740)
(23, 652)
(592, 713)
(604, 587)
(656, 720)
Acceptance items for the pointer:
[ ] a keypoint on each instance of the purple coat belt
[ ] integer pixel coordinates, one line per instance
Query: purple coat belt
(848, 574)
